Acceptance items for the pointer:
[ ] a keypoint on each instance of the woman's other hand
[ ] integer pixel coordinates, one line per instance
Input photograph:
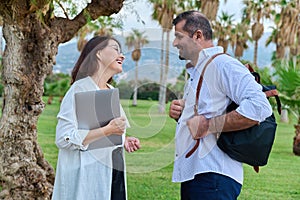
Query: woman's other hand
(132, 144)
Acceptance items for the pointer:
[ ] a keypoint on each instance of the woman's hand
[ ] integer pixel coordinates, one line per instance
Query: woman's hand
(132, 144)
(117, 126)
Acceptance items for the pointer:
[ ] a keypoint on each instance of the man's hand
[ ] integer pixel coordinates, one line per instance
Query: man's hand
(176, 108)
(198, 126)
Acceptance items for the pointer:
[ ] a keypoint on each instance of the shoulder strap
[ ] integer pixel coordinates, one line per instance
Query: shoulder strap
(197, 98)
(201, 81)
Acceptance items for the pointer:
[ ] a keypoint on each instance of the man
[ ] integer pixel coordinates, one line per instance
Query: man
(208, 172)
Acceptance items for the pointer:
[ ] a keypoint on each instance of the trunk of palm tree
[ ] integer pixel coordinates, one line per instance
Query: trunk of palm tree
(210, 8)
(279, 51)
(239, 50)
(134, 101)
(255, 52)
(296, 144)
(162, 106)
(284, 116)
(161, 68)
(224, 43)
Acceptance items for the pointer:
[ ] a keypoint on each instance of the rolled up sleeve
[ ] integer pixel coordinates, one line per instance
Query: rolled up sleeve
(68, 136)
(241, 87)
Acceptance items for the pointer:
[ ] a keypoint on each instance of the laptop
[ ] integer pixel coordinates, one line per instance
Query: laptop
(96, 109)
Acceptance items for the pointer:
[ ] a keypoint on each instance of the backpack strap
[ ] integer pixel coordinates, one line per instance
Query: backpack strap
(271, 91)
(197, 98)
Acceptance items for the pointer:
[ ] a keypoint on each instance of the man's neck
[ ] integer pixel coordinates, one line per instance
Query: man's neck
(205, 45)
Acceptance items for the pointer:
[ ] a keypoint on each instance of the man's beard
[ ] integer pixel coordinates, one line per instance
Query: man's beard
(181, 58)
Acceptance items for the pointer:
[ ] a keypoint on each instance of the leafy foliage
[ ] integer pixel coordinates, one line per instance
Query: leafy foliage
(147, 90)
(56, 84)
(288, 79)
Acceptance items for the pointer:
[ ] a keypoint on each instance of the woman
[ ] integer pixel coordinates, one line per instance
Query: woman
(91, 174)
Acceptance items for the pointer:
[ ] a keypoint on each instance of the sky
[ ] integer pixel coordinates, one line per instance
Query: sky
(144, 10)
(151, 27)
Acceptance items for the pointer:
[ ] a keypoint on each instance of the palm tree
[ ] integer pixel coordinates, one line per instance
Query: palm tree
(104, 26)
(136, 40)
(223, 30)
(157, 15)
(164, 11)
(289, 86)
(274, 37)
(210, 8)
(239, 39)
(257, 11)
(286, 33)
(289, 28)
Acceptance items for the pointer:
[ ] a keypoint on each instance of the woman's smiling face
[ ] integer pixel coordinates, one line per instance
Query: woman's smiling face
(112, 57)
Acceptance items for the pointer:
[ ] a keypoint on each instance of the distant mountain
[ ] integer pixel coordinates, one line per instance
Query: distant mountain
(149, 64)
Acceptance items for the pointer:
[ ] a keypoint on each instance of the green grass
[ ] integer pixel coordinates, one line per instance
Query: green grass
(149, 170)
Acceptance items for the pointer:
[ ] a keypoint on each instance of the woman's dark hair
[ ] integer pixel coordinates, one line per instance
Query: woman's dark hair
(87, 63)
(194, 21)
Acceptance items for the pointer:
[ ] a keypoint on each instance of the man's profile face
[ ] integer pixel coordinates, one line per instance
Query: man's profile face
(182, 41)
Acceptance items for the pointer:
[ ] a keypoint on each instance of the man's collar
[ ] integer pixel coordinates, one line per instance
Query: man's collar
(203, 55)
(208, 52)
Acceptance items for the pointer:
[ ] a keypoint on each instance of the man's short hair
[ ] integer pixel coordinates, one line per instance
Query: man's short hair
(194, 21)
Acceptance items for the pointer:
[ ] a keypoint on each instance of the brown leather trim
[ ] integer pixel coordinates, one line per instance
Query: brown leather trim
(197, 98)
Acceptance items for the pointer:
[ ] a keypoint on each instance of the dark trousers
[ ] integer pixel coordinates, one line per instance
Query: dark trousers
(210, 186)
(118, 191)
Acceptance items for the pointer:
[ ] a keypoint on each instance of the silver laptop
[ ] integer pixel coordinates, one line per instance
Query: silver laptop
(96, 109)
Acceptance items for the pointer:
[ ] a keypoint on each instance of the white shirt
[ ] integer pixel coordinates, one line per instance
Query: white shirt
(225, 79)
(80, 174)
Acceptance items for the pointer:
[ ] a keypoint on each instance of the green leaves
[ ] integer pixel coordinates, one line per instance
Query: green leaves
(288, 79)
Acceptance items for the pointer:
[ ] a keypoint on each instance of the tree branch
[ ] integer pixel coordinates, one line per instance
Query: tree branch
(63, 9)
(66, 29)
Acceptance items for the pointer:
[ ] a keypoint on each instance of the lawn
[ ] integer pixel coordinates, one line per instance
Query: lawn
(149, 170)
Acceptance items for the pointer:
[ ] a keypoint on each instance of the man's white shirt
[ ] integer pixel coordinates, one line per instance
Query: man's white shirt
(225, 79)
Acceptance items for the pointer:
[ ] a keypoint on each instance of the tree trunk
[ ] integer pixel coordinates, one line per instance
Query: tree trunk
(296, 143)
(134, 102)
(32, 36)
(161, 70)
(1, 44)
(24, 173)
(255, 52)
(162, 106)
(284, 116)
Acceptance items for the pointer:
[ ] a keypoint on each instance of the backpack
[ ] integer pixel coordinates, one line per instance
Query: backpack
(252, 145)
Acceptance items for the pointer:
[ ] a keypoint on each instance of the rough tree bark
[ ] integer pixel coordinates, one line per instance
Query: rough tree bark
(32, 36)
